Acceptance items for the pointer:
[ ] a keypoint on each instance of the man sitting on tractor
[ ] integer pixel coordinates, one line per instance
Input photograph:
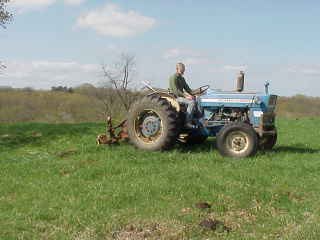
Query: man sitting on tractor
(179, 87)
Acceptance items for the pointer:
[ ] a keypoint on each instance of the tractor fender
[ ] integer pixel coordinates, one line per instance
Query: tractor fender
(171, 99)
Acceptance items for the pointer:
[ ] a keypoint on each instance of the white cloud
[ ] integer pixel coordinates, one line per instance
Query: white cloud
(313, 69)
(235, 67)
(112, 21)
(172, 53)
(26, 5)
(45, 74)
(182, 52)
(187, 56)
(197, 61)
(74, 2)
(29, 5)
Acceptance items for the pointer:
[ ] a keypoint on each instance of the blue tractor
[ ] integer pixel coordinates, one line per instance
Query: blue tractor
(242, 122)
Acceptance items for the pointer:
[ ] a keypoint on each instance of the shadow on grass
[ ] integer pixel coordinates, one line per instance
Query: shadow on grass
(37, 134)
(207, 146)
(298, 148)
(210, 145)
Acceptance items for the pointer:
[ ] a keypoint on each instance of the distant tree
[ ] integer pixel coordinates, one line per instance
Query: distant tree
(62, 89)
(5, 16)
(27, 89)
(6, 88)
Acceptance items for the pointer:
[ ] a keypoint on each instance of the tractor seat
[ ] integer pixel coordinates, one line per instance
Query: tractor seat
(183, 107)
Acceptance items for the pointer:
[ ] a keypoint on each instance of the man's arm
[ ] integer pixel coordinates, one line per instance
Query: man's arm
(179, 90)
(187, 88)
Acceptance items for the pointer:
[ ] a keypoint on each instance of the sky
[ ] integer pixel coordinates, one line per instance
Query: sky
(65, 42)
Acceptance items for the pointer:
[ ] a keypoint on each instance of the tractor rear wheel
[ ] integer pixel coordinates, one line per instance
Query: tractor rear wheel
(152, 124)
(268, 142)
(237, 140)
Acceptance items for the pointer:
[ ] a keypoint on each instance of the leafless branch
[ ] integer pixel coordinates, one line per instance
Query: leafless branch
(2, 67)
(119, 77)
(5, 16)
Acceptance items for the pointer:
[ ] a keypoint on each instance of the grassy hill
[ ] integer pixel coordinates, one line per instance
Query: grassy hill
(55, 183)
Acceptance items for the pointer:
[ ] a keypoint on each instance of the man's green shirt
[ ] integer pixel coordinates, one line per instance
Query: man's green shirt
(177, 85)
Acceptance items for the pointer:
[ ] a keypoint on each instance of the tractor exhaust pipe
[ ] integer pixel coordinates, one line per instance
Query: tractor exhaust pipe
(240, 81)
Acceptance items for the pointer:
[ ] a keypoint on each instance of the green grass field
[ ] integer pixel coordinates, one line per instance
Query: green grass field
(119, 192)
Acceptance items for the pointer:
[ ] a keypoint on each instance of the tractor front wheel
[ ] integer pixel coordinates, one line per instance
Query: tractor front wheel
(237, 140)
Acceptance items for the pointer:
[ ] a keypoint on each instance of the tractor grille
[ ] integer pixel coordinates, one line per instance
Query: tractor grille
(268, 128)
(268, 121)
(273, 100)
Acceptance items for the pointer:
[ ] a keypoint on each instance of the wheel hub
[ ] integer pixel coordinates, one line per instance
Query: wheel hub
(150, 126)
(238, 142)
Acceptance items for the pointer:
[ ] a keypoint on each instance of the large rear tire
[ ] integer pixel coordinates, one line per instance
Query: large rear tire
(152, 124)
(237, 140)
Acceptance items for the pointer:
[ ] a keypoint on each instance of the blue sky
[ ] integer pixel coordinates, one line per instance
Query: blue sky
(64, 42)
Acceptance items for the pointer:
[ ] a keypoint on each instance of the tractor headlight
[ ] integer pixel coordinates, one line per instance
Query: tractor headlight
(257, 100)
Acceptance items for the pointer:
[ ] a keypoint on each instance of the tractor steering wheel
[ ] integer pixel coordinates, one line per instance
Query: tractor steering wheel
(201, 90)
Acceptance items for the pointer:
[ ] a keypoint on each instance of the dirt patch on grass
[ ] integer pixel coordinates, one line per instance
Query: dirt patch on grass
(86, 234)
(150, 231)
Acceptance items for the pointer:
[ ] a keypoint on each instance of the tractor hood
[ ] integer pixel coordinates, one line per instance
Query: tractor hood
(214, 98)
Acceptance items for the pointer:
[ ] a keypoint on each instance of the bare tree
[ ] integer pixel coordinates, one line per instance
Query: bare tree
(116, 95)
(107, 97)
(119, 77)
(5, 16)
(2, 66)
